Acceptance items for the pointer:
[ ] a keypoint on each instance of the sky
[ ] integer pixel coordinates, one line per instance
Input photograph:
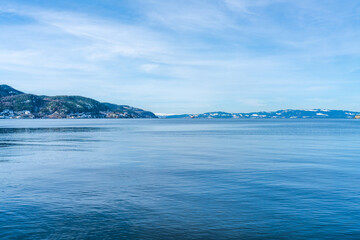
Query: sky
(186, 56)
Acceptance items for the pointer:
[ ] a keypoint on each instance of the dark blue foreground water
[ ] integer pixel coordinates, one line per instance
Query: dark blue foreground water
(179, 179)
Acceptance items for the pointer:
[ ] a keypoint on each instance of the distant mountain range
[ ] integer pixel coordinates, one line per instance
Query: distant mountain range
(17, 104)
(290, 113)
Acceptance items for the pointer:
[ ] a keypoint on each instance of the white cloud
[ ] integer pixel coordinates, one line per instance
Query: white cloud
(109, 38)
(149, 67)
(203, 53)
(244, 6)
(189, 18)
(17, 57)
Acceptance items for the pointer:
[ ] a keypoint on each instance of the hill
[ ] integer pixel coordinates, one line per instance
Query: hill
(6, 90)
(16, 104)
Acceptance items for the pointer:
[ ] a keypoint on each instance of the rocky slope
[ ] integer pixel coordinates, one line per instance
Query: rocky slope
(16, 104)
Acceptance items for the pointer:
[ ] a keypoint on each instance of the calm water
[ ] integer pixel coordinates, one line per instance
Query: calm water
(179, 179)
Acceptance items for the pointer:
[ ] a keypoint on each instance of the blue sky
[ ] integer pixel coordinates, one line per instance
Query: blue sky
(186, 56)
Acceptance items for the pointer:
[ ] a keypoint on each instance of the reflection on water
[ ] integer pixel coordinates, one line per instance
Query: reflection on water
(48, 130)
(179, 179)
(48, 138)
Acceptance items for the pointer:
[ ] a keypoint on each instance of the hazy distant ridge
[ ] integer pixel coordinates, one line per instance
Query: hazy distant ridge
(289, 113)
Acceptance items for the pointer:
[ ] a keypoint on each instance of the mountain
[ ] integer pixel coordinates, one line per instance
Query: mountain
(16, 104)
(289, 113)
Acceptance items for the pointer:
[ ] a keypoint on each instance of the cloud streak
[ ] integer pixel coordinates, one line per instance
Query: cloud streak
(233, 55)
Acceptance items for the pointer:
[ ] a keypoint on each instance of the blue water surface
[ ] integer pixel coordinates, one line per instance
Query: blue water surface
(180, 179)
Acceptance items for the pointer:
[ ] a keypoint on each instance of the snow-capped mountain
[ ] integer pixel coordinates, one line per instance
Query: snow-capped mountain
(289, 113)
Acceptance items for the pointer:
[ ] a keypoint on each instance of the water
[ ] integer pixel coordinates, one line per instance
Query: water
(179, 179)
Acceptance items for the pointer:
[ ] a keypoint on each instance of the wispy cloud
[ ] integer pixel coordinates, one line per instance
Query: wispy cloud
(197, 55)
(246, 6)
(186, 15)
(116, 38)
(149, 67)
